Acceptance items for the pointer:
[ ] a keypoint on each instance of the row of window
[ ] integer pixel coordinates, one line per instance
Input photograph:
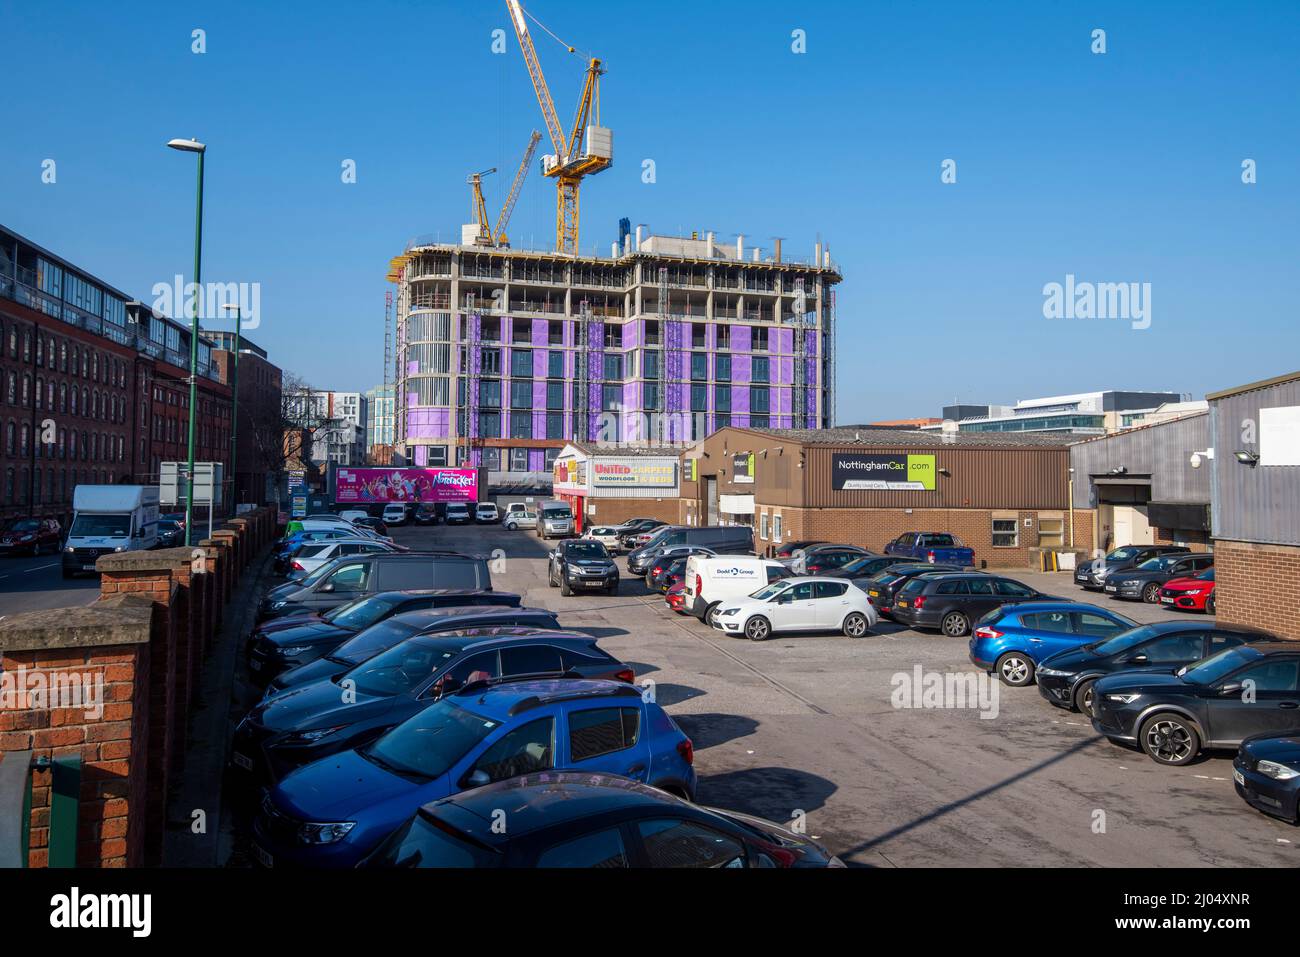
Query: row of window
(614, 367)
(62, 444)
(58, 355)
(57, 397)
(51, 486)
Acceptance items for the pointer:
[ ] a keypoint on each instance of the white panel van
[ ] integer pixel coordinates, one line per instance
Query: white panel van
(710, 580)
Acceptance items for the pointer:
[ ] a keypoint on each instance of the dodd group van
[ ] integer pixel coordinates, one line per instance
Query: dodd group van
(714, 579)
(107, 519)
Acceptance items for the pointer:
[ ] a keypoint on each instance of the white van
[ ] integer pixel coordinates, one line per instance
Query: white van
(107, 519)
(713, 579)
(394, 514)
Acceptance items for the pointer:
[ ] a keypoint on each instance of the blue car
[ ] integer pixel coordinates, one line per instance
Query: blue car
(1011, 640)
(335, 811)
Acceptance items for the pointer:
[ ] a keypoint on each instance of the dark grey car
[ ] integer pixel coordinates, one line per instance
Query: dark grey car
(1143, 582)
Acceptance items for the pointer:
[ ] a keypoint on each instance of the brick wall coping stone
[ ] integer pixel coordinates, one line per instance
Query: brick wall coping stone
(160, 559)
(123, 620)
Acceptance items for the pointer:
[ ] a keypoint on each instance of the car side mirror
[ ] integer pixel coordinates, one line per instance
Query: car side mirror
(477, 778)
(328, 586)
(1231, 688)
(1138, 659)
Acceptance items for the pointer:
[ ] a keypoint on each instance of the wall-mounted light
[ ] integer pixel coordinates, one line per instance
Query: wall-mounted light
(945, 473)
(1247, 457)
(1118, 470)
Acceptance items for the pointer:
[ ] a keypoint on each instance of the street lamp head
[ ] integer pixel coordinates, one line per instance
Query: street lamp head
(186, 146)
(231, 307)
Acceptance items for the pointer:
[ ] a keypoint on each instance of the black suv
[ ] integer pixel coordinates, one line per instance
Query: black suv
(288, 731)
(283, 645)
(1216, 703)
(582, 564)
(352, 576)
(426, 513)
(950, 602)
(1092, 575)
(1067, 679)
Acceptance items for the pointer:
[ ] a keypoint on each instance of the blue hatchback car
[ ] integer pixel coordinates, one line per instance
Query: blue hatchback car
(1011, 640)
(335, 811)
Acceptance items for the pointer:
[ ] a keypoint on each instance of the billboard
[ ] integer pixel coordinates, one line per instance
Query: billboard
(405, 485)
(742, 468)
(861, 472)
(648, 473)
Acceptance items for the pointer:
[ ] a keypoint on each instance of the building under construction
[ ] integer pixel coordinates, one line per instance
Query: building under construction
(501, 355)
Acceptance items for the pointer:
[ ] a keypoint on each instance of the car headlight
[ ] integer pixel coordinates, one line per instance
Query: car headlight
(1193, 591)
(1123, 698)
(1278, 772)
(728, 612)
(69, 550)
(1052, 672)
(324, 833)
(119, 548)
(1130, 581)
(308, 737)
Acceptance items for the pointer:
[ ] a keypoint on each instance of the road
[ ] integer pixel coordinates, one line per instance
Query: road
(806, 724)
(36, 583)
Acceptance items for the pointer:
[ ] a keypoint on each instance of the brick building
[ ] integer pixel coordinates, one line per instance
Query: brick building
(1003, 495)
(88, 381)
(259, 453)
(1256, 503)
(615, 485)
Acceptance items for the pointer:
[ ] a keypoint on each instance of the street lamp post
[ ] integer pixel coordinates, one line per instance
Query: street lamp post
(193, 146)
(234, 420)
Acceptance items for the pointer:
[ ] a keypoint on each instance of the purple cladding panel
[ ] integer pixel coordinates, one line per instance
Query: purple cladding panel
(539, 333)
(537, 460)
(741, 339)
(740, 368)
(631, 335)
(784, 370)
(539, 362)
(421, 455)
(781, 400)
(412, 368)
(539, 424)
(740, 400)
(785, 341)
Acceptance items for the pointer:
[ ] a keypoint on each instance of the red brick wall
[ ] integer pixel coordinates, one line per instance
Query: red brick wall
(1258, 585)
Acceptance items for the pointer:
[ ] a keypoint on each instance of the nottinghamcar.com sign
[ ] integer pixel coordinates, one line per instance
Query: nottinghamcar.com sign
(876, 473)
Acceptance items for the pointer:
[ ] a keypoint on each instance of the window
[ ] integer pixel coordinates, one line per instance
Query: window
(525, 750)
(1174, 648)
(613, 367)
(1051, 532)
(601, 849)
(555, 395)
(699, 367)
(1006, 533)
(521, 363)
(519, 460)
(349, 578)
(829, 589)
(762, 369)
(676, 843)
(722, 368)
(555, 364)
(957, 587)
(601, 731)
(650, 364)
(521, 393)
(1051, 621)
(1097, 626)
(554, 430)
(1005, 586)
(759, 341)
(521, 425)
(611, 398)
(776, 528)
(760, 399)
(762, 526)
(1275, 676)
(699, 398)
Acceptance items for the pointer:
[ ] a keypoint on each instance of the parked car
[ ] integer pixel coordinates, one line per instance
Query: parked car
(1011, 640)
(386, 634)
(353, 515)
(936, 548)
(637, 531)
(864, 568)
(607, 535)
(797, 604)
(485, 513)
(351, 576)
(554, 520)
(457, 513)
(334, 812)
(31, 535)
(520, 519)
(170, 534)
(723, 539)
(584, 565)
(426, 513)
(395, 513)
(951, 601)
(1091, 575)
(314, 721)
(1217, 703)
(1067, 678)
(271, 653)
(312, 555)
(375, 525)
(282, 550)
(675, 598)
(1194, 593)
(1266, 774)
(1143, 582)
(669, 555)
(885, 585)
(821, 559)
(788, 549)
(711, 580)
(574, 819)
(671, 572)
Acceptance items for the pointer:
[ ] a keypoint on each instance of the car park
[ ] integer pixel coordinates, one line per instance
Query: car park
(395, 514)
(1266, 774)
(32, 536)
(335, 811)
(819, 559)
(722, 539)
(1214, 704)
(386, 634)
(885, 585)
(1194, 593)
(520, 519)
(952, 601)
(797, 605)
(1091, 575)
(582, 565)
(1067, 679)
(607, 535)
(572, 819)
(1011, 640)
(485, 513)
(711, 580)
(271, 653)
(457, 513)
(312, 721)
(1143, 582)
(863, 568)
(312, 555)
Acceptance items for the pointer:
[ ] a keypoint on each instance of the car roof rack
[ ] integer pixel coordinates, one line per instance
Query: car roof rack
(619, 690)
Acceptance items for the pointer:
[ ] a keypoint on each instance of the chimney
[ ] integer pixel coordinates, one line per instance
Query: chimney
(817, 255)
(627, 244)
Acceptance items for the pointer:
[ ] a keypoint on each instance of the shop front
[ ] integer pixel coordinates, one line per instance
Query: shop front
(615, 485)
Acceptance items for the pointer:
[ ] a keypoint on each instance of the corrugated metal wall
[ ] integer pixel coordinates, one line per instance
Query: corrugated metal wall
(1259, 504)
(1162, 451)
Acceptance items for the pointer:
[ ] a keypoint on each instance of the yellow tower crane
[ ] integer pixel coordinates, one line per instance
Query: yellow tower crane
(475, 181)
(589, 148)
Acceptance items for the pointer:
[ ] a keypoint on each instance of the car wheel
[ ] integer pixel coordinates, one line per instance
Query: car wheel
(855, 625)
(758, 628)
(550, 576)
(955, 624)
(711, 614)
(1083, 697)
(511, 526)
(565, 590)
(1169, 739)
(1209, 605)
(1151, 593)
(1015, 669)
(612, 589)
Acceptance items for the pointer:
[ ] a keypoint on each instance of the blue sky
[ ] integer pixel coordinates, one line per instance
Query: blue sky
(1121, 167)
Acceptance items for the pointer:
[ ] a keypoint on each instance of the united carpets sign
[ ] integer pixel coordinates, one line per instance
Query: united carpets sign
(877, 473)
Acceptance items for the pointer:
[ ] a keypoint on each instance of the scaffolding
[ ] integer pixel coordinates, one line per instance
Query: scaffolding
(828, 353)
(799, 404)
(590, 358)
(471, 341)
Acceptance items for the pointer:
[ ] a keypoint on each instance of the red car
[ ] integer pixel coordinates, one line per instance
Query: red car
(676, 598)
(31, 535)
(1190, 594)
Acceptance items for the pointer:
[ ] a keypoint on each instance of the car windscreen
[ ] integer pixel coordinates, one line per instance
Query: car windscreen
(375, 639)
(420, 843)
(1121, 554)
(1207, 575)
(356, 615)
(107, 526)
(25, 525)
(556, 512)
(585, 550)
(770, 591)
(1124, 640)
(1216, 666)
(430, 743)
(399, 669)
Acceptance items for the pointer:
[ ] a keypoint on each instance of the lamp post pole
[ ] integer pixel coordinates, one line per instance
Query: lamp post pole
(193, 146)
(234, 420)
